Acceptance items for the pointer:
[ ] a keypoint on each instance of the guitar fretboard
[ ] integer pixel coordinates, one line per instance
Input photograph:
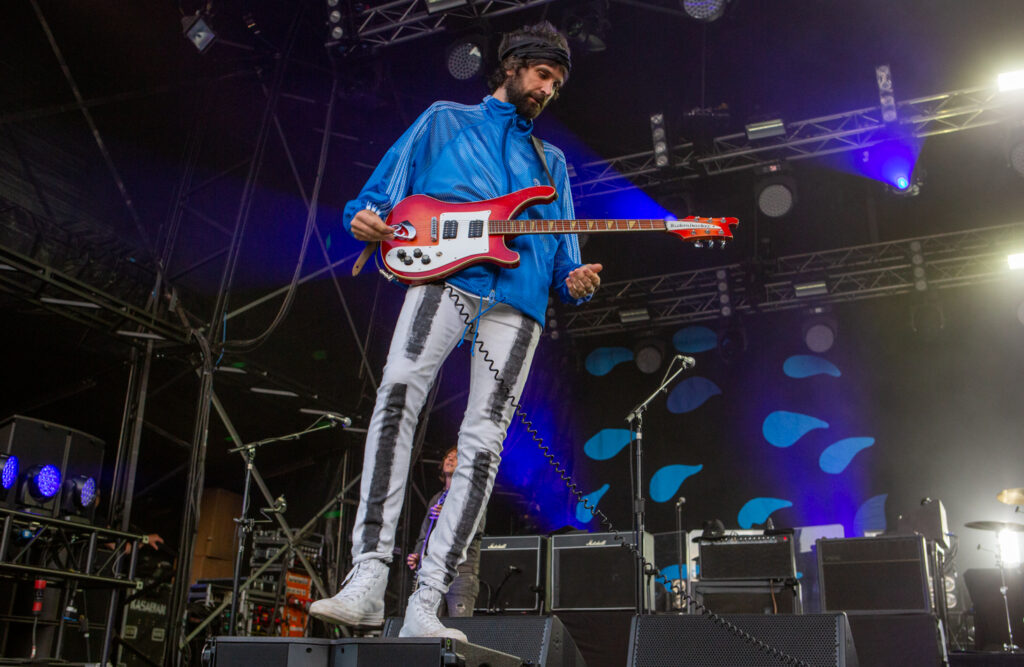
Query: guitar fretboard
(572, 226)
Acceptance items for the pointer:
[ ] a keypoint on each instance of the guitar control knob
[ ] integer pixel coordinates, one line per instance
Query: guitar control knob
(417, 253)
(407, 261)
(426, 260)
(400, 254)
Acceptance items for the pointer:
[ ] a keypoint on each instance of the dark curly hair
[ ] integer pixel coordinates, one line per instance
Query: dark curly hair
(543, 31)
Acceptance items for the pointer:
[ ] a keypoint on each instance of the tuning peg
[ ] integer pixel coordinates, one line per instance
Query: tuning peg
(698, 244)
(722, 243)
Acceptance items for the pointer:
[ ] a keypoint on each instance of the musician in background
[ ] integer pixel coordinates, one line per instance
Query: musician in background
(460, 153)
(461, 595)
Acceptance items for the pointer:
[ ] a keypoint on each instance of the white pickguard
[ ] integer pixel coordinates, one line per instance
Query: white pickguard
(447, 251)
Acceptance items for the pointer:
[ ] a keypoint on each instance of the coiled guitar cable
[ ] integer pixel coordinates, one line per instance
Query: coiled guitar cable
(649, 569)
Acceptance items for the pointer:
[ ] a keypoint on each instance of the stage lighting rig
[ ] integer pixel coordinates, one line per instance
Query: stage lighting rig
(466, 56)
(704, 10)
(198, 31)
(9, 475)
(907, 186)
(886, 94)
(79, 495)
(659, 140)
(1008, 81)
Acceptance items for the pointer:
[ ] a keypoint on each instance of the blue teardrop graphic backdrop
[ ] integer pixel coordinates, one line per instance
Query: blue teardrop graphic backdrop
(805, 365)
(691, 394)
(666, 481)
(783, 429)
(583, 515)
(607, 443)
(838, 455)
(602, 360)
(695, 339)
(757, 510)
(870, 515)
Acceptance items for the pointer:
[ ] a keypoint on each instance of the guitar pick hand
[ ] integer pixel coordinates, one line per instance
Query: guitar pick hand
(367, 226)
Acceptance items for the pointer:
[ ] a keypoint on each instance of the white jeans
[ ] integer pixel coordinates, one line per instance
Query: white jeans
(428, 328)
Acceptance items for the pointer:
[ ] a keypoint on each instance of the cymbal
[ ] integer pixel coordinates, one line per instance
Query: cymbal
(1011, 496)
(996, 526)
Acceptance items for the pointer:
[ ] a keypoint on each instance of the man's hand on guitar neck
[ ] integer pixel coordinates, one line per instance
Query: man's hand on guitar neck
(583, 281)
(367, 226)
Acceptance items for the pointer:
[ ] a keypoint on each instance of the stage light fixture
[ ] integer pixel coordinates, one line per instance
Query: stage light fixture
(465, 57)
(886, 94)
(434, 6)
(198, 31)
(1008, 81)
(704, 10)
(586, 28)
(819, 330)
(775, 191)
(765, 129)
(648, 355)
(80, 493)
(43, 481)
(659, 140)
(630, 315)
(10, 471)
(1009, 546)
(1016, 261)
(906, 186)
(810, 288)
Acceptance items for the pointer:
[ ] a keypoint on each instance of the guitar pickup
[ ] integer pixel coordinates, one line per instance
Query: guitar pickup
(451, 229)
(476, 229)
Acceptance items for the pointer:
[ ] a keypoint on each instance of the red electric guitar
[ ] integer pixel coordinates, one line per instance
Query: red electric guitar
(434, 239)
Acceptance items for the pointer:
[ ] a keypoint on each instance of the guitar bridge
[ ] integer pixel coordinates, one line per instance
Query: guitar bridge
(433, 229)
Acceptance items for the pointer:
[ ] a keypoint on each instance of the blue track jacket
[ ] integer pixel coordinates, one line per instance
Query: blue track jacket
(461, 153)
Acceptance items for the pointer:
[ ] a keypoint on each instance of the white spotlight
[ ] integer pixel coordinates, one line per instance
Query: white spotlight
(1009, 545)
(704, 10)
(1016, 261)
(1008, 81)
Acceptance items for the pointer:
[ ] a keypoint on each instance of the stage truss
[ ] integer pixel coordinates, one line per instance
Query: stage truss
(849, 274)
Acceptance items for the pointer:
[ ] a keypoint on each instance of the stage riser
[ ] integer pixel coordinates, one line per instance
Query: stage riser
(376, 652)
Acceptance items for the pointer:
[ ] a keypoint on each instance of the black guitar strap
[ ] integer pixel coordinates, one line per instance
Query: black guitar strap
(539, 147)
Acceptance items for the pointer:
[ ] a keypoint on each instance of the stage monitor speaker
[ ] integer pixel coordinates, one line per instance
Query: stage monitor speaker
(748, 557)
(539, 640)
(874, 574)
(590, 571)
(522, 587)
(747, 597)
(691, 640)
(898, 640)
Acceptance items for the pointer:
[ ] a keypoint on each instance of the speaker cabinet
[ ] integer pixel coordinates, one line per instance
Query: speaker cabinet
(590, 571)
(515, 565)
(537, 640)
(898, 640)
(691, 640)
(747, 597)
(874, 574)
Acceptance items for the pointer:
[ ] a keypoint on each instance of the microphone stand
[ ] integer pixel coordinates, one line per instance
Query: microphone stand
(636, 419)
(245, 524)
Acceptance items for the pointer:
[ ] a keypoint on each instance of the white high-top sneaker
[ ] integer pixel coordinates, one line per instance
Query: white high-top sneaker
(360, 602)
(421, 616)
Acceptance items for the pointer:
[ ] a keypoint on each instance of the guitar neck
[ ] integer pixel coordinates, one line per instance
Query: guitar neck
(573, 226)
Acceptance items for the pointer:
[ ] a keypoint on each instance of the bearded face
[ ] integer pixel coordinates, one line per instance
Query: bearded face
(531, 88)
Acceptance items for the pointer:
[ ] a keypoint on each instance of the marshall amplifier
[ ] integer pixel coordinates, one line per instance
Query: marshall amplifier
(589, 571)
(511, 574)
(747, 557)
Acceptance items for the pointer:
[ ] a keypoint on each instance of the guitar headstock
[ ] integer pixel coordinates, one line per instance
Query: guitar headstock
(703, 230)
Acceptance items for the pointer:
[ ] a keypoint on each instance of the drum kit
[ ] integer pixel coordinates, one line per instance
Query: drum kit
(1008, 497)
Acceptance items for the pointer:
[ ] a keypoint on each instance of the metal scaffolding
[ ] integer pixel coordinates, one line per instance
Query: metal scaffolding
(849, 274)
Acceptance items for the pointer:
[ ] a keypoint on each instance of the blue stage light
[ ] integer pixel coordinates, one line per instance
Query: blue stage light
(87, 492)
(44, 481)
(10, 471)
(902, 182)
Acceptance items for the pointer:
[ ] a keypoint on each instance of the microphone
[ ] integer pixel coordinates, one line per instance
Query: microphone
(688, 362)
(335, 418)
(680, 502)
(513, 569)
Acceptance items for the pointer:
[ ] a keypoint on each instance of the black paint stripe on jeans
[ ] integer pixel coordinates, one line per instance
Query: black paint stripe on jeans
(510, 374)
(470, 512)
(394, 406)
(423, 320)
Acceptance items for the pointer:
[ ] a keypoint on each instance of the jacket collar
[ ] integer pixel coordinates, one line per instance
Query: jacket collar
(507, 112)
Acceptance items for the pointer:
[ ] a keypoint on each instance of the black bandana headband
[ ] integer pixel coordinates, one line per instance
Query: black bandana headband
(529, 47)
